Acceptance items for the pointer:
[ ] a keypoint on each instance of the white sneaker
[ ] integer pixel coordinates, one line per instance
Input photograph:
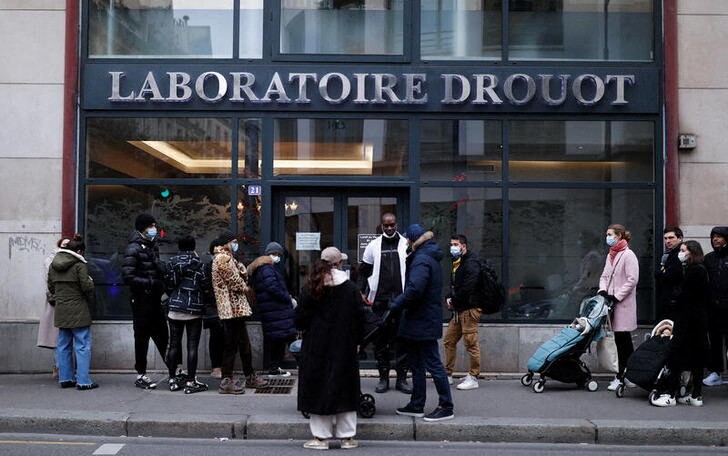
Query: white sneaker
(664, 400)
(468, 383)
(449, 379)
(689, 400)
(629, 384)
(614, 384)
(713, 379)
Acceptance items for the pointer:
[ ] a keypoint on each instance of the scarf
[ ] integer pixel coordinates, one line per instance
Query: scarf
(616, 248)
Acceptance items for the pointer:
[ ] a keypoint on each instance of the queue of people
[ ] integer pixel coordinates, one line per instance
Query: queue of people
(400, 283)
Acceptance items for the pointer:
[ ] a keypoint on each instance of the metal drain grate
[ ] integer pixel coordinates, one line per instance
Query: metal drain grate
(277, 386)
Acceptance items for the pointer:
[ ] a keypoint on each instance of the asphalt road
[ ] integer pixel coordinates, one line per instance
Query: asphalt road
(56, 445)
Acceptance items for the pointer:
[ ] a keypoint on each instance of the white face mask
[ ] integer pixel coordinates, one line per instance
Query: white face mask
(276, 259)
(454, 251)
(683, 256)
(234, 247)
(151, 233)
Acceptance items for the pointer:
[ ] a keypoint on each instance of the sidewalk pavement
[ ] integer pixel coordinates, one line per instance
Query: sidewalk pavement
(501, 410)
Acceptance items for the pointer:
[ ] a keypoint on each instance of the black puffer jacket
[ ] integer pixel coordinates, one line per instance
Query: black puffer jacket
(186, 279)
(464, 283)
(717, 264)
(142, 271)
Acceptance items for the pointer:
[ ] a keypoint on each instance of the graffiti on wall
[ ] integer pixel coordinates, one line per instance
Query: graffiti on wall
(26, 244)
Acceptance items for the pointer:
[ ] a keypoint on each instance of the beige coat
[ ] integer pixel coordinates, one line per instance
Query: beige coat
(228, 282)
(47, 332)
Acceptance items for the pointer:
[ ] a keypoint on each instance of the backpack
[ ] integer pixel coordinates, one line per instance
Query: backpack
(491, 294)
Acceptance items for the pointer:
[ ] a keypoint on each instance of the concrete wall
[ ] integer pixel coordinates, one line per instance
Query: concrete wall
(703, 97)
(504, 348)
(31, 115)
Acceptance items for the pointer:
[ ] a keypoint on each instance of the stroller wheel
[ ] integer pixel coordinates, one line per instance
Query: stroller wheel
(592, 385)
(367, 398)
(367, 409)
(527, 379)
(538, 386)
(620, 391)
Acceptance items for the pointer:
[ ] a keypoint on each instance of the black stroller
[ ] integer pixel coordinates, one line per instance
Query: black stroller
(646, 367)
(367, 404)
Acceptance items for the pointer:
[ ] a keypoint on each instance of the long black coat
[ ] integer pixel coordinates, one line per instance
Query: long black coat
(689, 345)
(332, 327)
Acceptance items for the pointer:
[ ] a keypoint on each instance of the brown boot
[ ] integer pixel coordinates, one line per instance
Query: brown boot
(254, 381)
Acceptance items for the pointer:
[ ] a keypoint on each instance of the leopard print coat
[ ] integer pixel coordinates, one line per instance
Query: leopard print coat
(228, 282)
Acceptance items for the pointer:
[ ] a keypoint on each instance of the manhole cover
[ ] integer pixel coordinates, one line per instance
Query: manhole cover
(277, 386)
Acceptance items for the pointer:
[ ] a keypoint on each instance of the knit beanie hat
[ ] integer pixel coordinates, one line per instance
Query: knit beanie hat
(273, 247)
(225, 237)
(414, 232)
(144, 221)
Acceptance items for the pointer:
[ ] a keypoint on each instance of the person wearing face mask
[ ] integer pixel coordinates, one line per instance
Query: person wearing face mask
(143, 272)
(689, 344)
(463, 302)
(274, 307)
(618, 283)
(229, 282)
(381, 279)
(717, 264)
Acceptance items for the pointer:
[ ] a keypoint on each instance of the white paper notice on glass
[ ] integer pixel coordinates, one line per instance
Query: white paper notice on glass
(308, 241)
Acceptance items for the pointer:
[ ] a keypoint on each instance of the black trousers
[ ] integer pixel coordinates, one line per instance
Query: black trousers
(717, 321)
(236, 340)
(623, 341)
(177, 328)
(386, 341)
(216, 343)
(274, 350)
(149, 322)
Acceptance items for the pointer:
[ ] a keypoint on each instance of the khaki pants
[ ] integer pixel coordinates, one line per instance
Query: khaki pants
(464, 324)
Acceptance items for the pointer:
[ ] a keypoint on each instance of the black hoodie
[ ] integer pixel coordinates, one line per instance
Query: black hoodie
(717, 264)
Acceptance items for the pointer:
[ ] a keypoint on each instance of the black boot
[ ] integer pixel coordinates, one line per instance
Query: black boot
(383, 384)
(402, 384)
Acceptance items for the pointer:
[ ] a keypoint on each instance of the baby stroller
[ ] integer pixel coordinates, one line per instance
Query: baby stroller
(367, 405)
(560, 357)
(646, 367)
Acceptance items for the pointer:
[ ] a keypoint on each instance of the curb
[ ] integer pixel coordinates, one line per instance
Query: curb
(387, 428)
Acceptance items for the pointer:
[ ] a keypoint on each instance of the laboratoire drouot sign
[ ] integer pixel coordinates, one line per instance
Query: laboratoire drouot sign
(375, 88)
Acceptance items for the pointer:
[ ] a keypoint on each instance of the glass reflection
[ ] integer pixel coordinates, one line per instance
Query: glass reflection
(457, 30)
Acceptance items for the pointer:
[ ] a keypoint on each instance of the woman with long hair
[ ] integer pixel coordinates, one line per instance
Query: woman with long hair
(689, 345)
(331, 317)
(619, 284)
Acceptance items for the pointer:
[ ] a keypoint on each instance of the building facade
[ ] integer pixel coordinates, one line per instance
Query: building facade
(528, 126)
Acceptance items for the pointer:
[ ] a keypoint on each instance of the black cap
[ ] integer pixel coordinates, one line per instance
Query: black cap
(225, 237)
(144, 221)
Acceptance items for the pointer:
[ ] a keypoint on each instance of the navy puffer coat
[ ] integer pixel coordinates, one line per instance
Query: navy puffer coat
(274, 305)
(421, 300)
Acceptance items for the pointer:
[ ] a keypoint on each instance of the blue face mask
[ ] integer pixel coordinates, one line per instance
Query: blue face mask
(611, 240)
(454, 251)
(234, 247)
(152, 233)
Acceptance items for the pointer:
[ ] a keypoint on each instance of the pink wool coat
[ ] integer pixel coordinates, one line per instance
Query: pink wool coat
(623, 286)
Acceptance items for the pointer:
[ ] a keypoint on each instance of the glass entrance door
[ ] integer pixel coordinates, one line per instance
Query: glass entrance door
(307, 221)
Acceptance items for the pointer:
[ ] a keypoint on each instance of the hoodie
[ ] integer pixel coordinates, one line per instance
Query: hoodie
(72, 289)
(717, 264)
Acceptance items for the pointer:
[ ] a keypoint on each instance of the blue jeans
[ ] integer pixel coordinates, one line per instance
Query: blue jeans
(70, 341)
(424, 355)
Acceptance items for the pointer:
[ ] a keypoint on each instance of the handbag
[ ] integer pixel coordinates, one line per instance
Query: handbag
(607, 350)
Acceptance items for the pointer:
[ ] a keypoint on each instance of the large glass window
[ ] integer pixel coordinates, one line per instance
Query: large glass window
(162, 28)
(344, 27)
(199, 211)
(579, 151)
(474, 212)
(557, 250)
(165, 147)
(341, 146)
(460, 29)
(581, 30)
(461, 150)
(251, 29)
